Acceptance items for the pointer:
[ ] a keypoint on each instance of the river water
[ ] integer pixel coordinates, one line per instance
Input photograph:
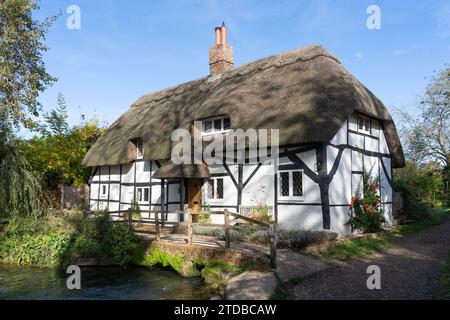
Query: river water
(99, 283)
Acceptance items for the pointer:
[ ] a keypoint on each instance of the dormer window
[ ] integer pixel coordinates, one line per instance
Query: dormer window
(139, 148)
(135, 149)
(217, 125)
(364, 124)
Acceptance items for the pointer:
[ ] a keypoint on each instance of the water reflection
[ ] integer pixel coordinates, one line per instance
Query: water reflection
(99, 283)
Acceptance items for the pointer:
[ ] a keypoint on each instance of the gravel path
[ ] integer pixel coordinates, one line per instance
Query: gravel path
(410, 269)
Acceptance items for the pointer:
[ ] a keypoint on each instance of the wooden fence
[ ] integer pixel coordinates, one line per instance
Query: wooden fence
(159, 223)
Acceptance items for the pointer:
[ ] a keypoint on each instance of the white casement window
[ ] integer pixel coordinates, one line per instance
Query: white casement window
(218, 125)
(364, 124)
(290, 185)
(103, 191)
(213, 189)
(142, 195)
(139, 148)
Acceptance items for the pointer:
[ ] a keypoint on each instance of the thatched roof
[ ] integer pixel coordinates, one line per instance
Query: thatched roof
(305, 93)
(169, 170)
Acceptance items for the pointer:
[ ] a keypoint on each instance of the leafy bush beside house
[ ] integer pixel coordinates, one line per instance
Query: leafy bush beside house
(367, 216)
(61, 241)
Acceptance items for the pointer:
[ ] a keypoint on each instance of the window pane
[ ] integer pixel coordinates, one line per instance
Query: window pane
(218, 125)
(219, 188)
(360, 123)
(146, 194)
(284, 184)
(210, 189)
(226, 124)
(367, 125)
(139, 147)
(139, 194)
(103, 189)
(207, 126)
(297, 189)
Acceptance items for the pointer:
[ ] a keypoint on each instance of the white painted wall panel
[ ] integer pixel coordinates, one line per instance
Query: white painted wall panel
(339, 217)
(127, 194)
(375, 130)
(114, 191)
(143, 171)
(309, 158)
(357, 184)
(156, 194)
(300, 217)
(388, 213)
(383, 144)
(386, 190)
(356, 140)
(340, 186)
(94, 190)
(260, 188)
(371, 165)
(371, 144)
(356, 161)
(128, 173)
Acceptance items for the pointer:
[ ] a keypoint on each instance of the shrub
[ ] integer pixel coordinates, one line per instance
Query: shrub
(300, 239)
(367, 216)
(203, 217)
(414, 209)
(38, 249)
(20, 226)
(121, 243)
(61, 240)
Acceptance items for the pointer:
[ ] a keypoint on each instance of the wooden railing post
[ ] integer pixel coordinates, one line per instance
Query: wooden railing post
(130, 216)
(158, 236)
(227, 228)
(273, 245)
(189, 231)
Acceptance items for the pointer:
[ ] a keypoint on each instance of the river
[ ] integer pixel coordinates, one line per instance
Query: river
(99, 283)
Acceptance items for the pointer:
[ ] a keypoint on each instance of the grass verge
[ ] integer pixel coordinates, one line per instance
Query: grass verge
(444, 291)
(363, 247)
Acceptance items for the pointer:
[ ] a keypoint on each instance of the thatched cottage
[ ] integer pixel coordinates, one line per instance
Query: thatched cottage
(331, 128)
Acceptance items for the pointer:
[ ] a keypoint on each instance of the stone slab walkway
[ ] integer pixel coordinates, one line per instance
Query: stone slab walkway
(251, 285)
(293, 265)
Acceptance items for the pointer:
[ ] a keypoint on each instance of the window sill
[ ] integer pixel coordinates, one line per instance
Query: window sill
(216, 132)
(213, 201)
(290, 200)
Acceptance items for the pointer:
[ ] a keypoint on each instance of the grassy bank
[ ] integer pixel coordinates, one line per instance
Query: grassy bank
(59, 241)
(444, 291)
(362, 247)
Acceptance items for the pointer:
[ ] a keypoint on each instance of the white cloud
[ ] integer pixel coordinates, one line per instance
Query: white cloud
(359, 55)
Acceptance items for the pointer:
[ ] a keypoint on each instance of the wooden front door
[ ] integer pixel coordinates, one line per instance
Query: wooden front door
(195, 194)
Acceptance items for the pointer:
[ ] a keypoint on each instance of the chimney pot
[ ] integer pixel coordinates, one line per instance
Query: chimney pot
(223, 33)
(218, 36)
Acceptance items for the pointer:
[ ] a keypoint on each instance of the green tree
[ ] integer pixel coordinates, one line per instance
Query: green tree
(426, 137)
(56, 120)
(22, 77)
(22, 70)
(57, 157)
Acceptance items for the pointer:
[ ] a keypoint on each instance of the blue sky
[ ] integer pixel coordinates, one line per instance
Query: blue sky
(125, 49)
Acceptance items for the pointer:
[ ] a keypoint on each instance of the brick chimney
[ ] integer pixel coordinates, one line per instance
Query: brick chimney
(221, 54)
